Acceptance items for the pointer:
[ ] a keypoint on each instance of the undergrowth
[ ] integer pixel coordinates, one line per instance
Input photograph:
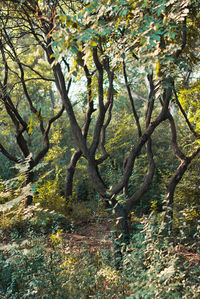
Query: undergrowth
(37, 262)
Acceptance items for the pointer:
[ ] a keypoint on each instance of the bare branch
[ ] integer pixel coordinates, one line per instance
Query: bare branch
(185, 115)
(141, 142)
(7, 154)
(45, 149)
(147, 181)
(103, 134)
(131, 100)
(101, 115)
(175, 147)
(184, 39)
(36, 72)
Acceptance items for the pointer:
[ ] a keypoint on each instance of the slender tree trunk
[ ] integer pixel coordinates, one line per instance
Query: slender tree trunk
(70, 175)
(169, 210)
(28, 199)
(121, 234)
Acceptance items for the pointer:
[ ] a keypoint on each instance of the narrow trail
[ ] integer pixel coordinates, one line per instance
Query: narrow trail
(93, 236)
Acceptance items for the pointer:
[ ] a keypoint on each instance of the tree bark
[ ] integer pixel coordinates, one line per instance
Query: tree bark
(121, 234)
(169, 209)
(70, 175)
(28, 199)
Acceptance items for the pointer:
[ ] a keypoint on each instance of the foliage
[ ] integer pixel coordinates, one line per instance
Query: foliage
(189, 99)
(127, 58)
(34, 265)
(55, 155)
(151, 29)
(157, 269)
(31, 272)
(13, 190)
(18, 222)
(48, 194)
(153, 266)
(187, 205)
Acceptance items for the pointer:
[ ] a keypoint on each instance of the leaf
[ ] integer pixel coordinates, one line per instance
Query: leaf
(75, 74)
(74, 49)
(94, 43)
(155, 37)
(62, 18)
(157, 67)
(167, 273)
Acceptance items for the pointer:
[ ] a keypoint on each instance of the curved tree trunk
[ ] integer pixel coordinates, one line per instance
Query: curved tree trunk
(70, 175)
(168, 219)
(28, 199)
(121, 234)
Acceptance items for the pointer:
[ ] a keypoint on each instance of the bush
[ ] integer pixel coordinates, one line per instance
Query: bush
(157, 269)
(19, 222)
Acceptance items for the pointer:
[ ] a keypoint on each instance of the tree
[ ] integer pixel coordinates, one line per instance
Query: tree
(98, 33)
(99, 40)
(20, 99)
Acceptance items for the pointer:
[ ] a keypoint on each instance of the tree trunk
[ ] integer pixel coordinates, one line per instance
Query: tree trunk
(169, 209)
(70, 175)
(28, 199)
(121, 234)
(172, 186)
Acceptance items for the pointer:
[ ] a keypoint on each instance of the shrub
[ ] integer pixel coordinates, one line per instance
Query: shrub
(156, 269)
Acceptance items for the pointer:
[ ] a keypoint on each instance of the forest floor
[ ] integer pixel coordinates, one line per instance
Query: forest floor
(81, 253)
(91, 235)
(96, 237)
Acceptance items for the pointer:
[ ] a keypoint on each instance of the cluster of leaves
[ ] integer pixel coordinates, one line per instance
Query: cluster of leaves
(151, 30)
(27, 273)
(48, 195)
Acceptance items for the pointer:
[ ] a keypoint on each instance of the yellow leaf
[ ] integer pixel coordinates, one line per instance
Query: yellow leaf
(165, 20)
(157, 67)
(93, 43)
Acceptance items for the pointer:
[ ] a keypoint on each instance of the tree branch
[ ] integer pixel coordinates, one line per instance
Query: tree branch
(185, 115)
(184, 39)
(45, 149)
(9, 156)
(101, 115)
(131, 100)
(37, 73)
(141, 142)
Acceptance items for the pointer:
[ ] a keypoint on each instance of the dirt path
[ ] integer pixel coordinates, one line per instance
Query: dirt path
(93, 236)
